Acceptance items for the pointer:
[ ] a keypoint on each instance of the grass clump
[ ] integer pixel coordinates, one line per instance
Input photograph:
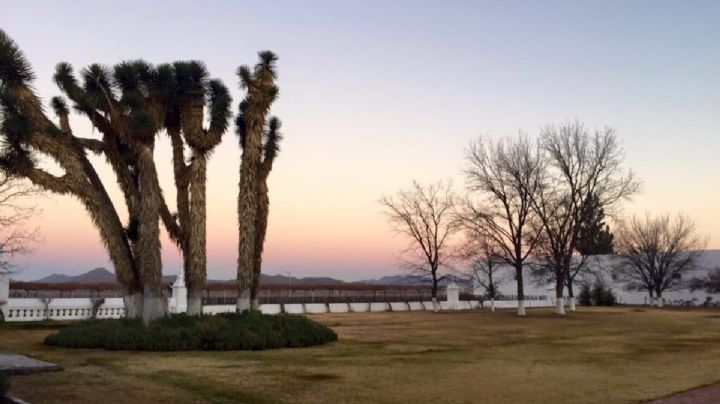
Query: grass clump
(222, 332)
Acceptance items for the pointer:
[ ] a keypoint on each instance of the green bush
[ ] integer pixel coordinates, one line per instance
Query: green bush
(585, 297)
(4, 384)
(597, 295)
(602, 295)
(222, 332)
(606, 298)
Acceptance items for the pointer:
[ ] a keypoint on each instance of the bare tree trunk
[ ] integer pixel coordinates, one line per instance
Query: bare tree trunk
(571, 295)
(559, 297)
(520, 289)
(659, 299)
(492, 304)
(436, 306)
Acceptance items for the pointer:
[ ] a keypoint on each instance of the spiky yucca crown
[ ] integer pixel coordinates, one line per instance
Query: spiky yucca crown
(14, 67)
(16, 125)
(132, 86)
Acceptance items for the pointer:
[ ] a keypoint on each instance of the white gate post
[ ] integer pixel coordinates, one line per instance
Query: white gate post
(179, 295)
(452, 296)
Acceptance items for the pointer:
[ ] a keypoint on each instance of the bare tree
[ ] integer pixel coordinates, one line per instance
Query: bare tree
(710, 282)
(502, 176)
(583, 168)
(656, 252)
(15, 212)
(486, 269)
(424, 214)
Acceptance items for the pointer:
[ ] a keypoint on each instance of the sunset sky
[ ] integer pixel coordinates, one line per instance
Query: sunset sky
(374, 94)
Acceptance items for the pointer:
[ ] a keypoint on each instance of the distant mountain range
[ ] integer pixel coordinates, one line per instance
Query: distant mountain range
(97, 275)
(102, 275)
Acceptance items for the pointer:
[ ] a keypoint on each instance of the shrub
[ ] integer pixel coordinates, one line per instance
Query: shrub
(585, 297)
(606, 298)
(222, 332)
(598, 295)
(4, 384)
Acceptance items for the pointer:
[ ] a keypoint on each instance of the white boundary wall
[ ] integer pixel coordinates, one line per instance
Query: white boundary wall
(61, 309)
(81, 309)
(513, 304)
(29, 309)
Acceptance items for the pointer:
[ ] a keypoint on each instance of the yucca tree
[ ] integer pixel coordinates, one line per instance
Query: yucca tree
(271, 148)
(261, 93)
(27, 133)
(185, 128)
(129, 105)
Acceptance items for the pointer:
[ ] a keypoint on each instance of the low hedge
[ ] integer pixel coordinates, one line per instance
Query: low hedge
(222, 332)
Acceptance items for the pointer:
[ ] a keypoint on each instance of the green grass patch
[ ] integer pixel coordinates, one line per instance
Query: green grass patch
(222, 332)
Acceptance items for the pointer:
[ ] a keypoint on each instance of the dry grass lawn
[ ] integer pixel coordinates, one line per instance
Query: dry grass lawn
(614, 355)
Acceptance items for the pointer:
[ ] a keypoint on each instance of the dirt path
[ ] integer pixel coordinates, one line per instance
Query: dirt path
(703, 395)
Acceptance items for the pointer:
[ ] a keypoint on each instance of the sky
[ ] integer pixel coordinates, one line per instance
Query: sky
(374, 94)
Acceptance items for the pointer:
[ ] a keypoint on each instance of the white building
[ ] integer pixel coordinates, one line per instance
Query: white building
(603, 266)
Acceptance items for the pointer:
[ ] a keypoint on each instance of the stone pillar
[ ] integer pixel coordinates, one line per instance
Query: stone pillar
(179, 295)
(452, 295)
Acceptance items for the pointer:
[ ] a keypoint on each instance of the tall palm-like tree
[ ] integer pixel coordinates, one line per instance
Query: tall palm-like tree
(28, 133)
(132, 101)
(185, 127)
(271, 147)
(261, 93)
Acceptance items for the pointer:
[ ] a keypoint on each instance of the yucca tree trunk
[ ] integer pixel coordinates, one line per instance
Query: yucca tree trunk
(262, 222)
(116, 243)
(148, 244)
(247, 226)
(262, 92)
(197, 258)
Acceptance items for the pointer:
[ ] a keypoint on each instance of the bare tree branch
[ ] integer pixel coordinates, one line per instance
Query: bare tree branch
(16, 209)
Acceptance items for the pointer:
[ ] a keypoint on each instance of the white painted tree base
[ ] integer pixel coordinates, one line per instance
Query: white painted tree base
(194, 306)
(133, 305)
(243, 301)
(153, 308)
(521, 308)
